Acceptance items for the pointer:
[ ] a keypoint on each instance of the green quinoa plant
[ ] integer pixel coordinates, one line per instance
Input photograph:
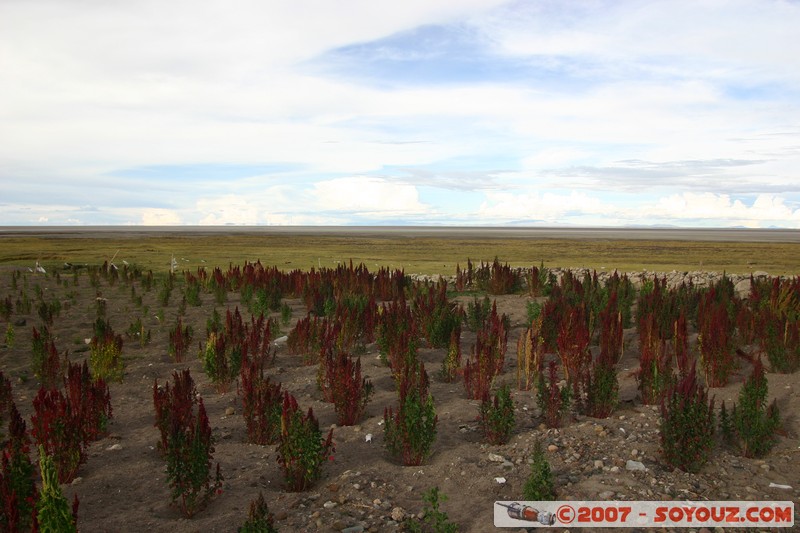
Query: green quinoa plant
(53, 510)
(755, 423)
(437, 521)
(259, 519)
(687, 424)
(301, 449)
(187, 444)
(539, 484)
(105, 352)
(497, 416)
(411, 430)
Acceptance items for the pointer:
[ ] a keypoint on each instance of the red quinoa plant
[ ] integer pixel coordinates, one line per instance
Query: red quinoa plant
(488, 355)
(351, 392)
(18, 493)
(655, 370)
(301, 449)
(397, 334)
(715, 339)
(64, 425)
(261, 402)
(573, 349)
(180, 337)
(552, 399)
(46, 361)
(603, 386)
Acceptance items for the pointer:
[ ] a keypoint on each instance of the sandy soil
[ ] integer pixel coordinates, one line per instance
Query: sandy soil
(124, 489)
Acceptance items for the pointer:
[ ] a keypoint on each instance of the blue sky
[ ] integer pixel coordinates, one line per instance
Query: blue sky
(426, 112)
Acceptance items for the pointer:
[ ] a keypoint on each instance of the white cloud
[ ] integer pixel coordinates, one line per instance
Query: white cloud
(765, 210)
(160, 217)
(687, 209)
(370, 197)
(92, 88)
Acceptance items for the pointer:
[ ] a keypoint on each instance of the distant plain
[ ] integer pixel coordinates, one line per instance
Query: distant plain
(422, 250)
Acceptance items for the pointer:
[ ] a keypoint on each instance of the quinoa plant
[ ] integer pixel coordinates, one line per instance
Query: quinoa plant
(302, 450)
(655, 372)
(497, 416)
(349, 392)
(6, 308)
(55, 431)
(262, 401)
(105, 356)
(187, 444)
(411, 430)
(9, 338)
(180, 337)
(436, 315)
(259, 518)
(552, 400)
(539, 280)
(687, 424)
(451, 364)
(286, 315)
(539, 484)
(65, 423)
(715, 339)
(53, 513)
(397, 334)
(573, 349)
(603, 387)
(498, 278)
(436, 520)
(755, 423)
(477, 312)
(488, 355)
(18, 493)
(530, 355)
(50, 372)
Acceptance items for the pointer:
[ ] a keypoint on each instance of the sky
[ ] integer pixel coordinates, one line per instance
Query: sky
(422, 112)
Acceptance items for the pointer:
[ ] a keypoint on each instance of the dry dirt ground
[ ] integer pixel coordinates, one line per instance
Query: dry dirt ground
(123, 488)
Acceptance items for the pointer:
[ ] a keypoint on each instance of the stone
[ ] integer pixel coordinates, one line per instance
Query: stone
(281, 515)
(635, 466)
(496, 458)
(114, 447)
(354, 529)
(398, 514)
(329, 504)
(552, 448)
(606, 495)
(229, 411)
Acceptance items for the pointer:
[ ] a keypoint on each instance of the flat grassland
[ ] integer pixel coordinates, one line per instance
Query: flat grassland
(416, 250)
